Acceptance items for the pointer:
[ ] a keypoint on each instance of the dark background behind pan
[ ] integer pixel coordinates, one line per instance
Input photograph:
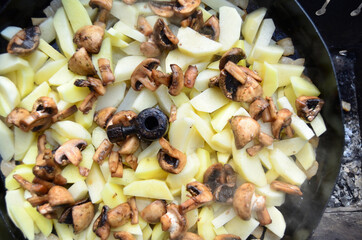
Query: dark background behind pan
(302, 214)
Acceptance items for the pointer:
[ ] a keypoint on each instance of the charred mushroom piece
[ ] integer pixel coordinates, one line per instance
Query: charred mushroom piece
(88, 102)
(134, 210)
(177, 82)
(94, 84)
(190, 236)
(101, 226)
(106, 72)
(90, 37)
(103, 151)
(162, 8)
(103, 116)
(245, 129)
(143, 26)
(283, 119)
(123, 117)
(60, 196)
(64, 114)
(185, 8)
(36, 188)
(236, 72)
(70, 152)
(190, 76)
(214, 176)
(119, 215)
(234, 55)
(227, 237)
(123, 236)
(286, 187)
(195, 21)
(161, 77)
(308, 107)
(154, 211)
(163, 36)
(211, 28)
(129, 146)
(150, 49)
(25, 41)
(169, 158)
(141, 76)
(174, 221)
(257, 107)
(81, 63)
(200, 195)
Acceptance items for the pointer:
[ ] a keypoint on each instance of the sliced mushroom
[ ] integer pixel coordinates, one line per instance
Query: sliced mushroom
(236, 72)
(36, 201)
(143, 26)
(162, 8)
(88, 102)
(107, 75)
(154, 211)
(227, 237)
(25, 41)
(245, 129)
(131, 161)
(177, 81)
(46, 184)
(200, 195)
(257, 107)
(251, 73)
(70, 152)
(286, 187)
(185, 8)
(94, 84)
(16, 115)
(249, 91)
(308, 107)
(169, 158)
(47, 211)
(262, 215)
(214, 176)
(161, 77)
(101, 226)
(103, 151)
(105, 7)
(103, 116)
(119, 215)
(272, 108)
(134, 210)
(123, 235)
(190, 236)
(174, 221)
(141, 76)
(265, 139)
(190, 76)
(64, 113)
(150, 49)
(214, 81)
(123, 117)
(163, 36)
(234, 55)
(113, 163)
(60, 196)
(253, 150)
(173, 114)
(283, 119)
(36, 188)
(211, 28)
(81, 63)
(90, 37)
(195, 21)
(129, 146)
(45, 167)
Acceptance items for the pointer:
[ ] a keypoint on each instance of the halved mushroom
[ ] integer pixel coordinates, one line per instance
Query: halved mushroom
(107, 75)
(115, 165)
(103, 151)
(45, 167)
(36, 201)
(81, 63)
(283, 119)
(174, 221)
(60, 196)
(123, 235)
(161, 77)
(194, 21)
(234, 55)
(25, 41)
(16, 115)
(90, 37)
(169, 158)
(101, 226)
(245, 129)
(286, 187)
(88, 102)
(185, 8)
(132, 161)
(257, 107)
(141, 76)
(123, 117)
(154, 211)
(162, 8)
(105, 7)
(103, 116)
(119, 215)
(227, 237)
(70, 152)
(129, 146)
(190, 236)
(33, 188)
(236, 72)
(132, 203)
(64, 113)
(200, 195)
(143, 26)
(190, 76)
(163, 36)
(211, 28)
(150, 49)
(214, 176)
(94, 84)
(308, 107)
(177, 81)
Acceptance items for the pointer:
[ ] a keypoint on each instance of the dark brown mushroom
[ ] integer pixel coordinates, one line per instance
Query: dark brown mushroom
(245, 129)
(119, 215)
(64, 113)
(227, 237)
(123, 235)
(185, 8)
(101, 226)
(132, 203)
(163, 36)
(190, 76)
(234, 55)
(174, 221)
(283, 119)
(81, 63)
(129, 146)
(150, 49)
(195, 21)
(162, 8)
(16, 115)
(141, 76)
(33, 188)
(161, 77)
(143, 26)
(94, 84)
(308, 107)
(132, 161)
(124, 117)
(211, 28)
(200, 195)
(88, 102)
(90, 37)
(107, 75)
(60, 196)
(285, 187)
(70, 152)
(257, 107)
(154, 211)
(103, 116)
(103, 151)
(177, 81)
(47, 211)
(45, 167)
(25, 41)
(169, 158)
(36, 201)
(214, 176)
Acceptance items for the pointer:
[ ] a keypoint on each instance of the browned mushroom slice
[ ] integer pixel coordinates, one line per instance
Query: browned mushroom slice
(177, 81)
(25, 41)
(236, 72)
(257, 107)
(105, 4)
(101, 226)
(169, 158)
(81, 63)
(283, 119)
(129, 146)
(253, 150)
(70, 152)
(308, 107)
(200, 195)
(161, 77)
(46, 184)
(36, 188)
(162, 8)
(38, 200)
(174, 221)
(90, 37)
(123, 235)
(115, 165)
(163, 36)
(132, 204)
(195, 21)
(132, 161)
(272, 108)
(123, 117)
(60, 196)
(214, 81)
(234, 55)
(47, 211)
(265, 139)
(248, 92)
(16, 115)
(214, 176)
(45, 167)
(262, 215)
(211, 28)
(103, 151)
(190, 76)
(119, 215)
(190, 236)
(103, 116)
(82, 216)
(94, 84)
(150, 49)
(141, 76)
(88, 102)
(143, 26)
(64, 113)
(185, 8)
(227, 237)
(245, 129)
(173, 113)
(286, 187)
(251, 73)
(44, 106)
(106, 72)
(154, 211)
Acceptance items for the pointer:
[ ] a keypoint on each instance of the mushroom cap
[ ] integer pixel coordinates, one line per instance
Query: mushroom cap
(105, 4)
(185, 8)
(177, 81)
(129, 146)
(200, 195)
(308, 107)
(211, 28)
(163, 36)
(60, 196)
(227, 237)
(25, 41)
(102, 116)
(214, 176)
(15, 116)
(81, 63)
(82, 216)
(257, 107)
(169, 158)
(44, 106)
(94, 84)
(141, 76)
(119, 215)
(154, 211)
(101, 226)
(190, 76)
(70, 151)
(283, 119)
(242, 200)
(173, 221)
(90, 37)
(245, 129)
(162, 8)
(234, 55)
(150, 49)
(123, 235)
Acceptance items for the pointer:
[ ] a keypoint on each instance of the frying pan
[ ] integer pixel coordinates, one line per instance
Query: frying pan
(302, 215)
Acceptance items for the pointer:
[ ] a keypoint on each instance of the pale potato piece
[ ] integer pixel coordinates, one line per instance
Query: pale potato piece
(149, 168)
(31, 154)
(126, 66)
(303, 87)
(45, 225)
(181, 59)
(203, 79)
(104, 52)
(126, 13)
(163, 99)
(62, 76)
(114, 96)
(71, 93)
(152, 188)
(240, 227)
(290, 146)
(47, 30)
(129, 176)
(301, 128)
(23, 141)
(224, 218)
(204, 224)
(221, 116)
(217, 4)
(76, 13)
(205, 162)
(306, 156)
(41, 90)
(145, 99)
(78, 190)
(209, 100)
(9, 96)
(7, 144)
(71, 173)
(273, 198)
(71, 130)
(129, 31)
(230, 27)
(278, 224)
(179, 133)
(112, 195)
(251, 24)
(9, 32)
(36, 59)
(49, 50)
(95, 183)
(64, 33)
(48, 70)
(64, 231)
(270, 80)
(318, 125)
(223, 139)
(133, 229)
(286, 71)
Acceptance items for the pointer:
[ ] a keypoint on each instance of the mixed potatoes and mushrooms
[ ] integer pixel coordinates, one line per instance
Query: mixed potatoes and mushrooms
(156, 120)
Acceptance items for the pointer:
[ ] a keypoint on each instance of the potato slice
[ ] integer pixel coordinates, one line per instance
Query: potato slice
(112, 195)
(26, 171)
(49, 50)
(76, 13)
(48, 70)
(230, 27)
(278, 224)
(9, 96)
(31, 154)
(306, 156)
(7, 144)
(251, 24)
(71, 130)
(290, 146)
(273, 198)
(126, 13)
(302, 87)
(41, 90)
(204, 224)
(23, 141)
(270, 80)
(148, 188)
(241, 228)
(71, 93)
(126, 66)
(45, 225)
(71, 173)
(95, 183)
(78, 190)
(149, 168)
(64, 33)
(209, 100)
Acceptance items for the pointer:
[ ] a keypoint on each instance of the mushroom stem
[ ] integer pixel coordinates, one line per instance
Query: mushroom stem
(286, 187)
(64, 114)
(103, 151)
(106, 71)
(88, 102)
